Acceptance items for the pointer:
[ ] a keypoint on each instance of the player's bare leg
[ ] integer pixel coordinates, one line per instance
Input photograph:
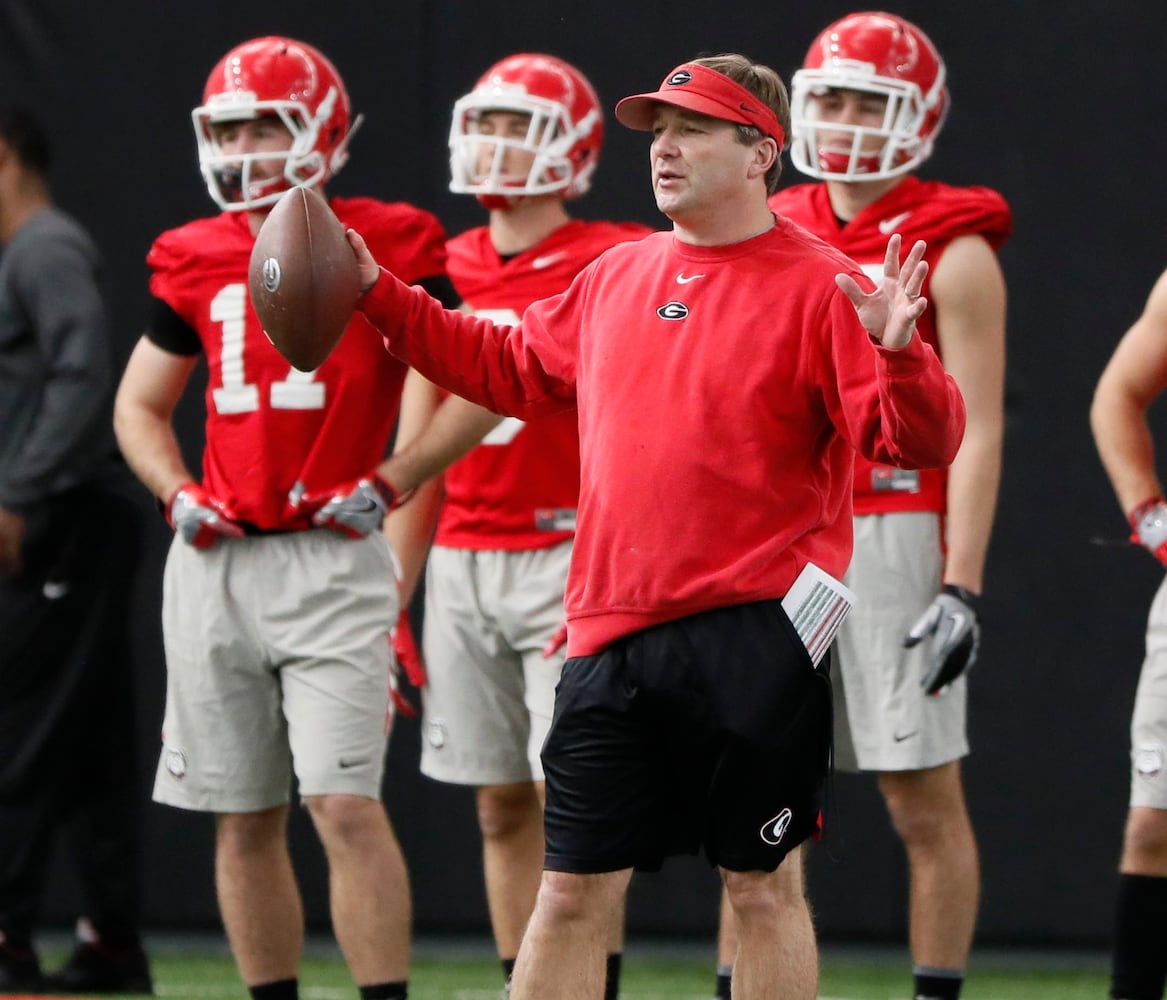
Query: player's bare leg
(368, 886)
(928, 811)
(563, 952)
(777, 955)
(258, 898)
(511, 820)
(1138, 965)
(1144, 844)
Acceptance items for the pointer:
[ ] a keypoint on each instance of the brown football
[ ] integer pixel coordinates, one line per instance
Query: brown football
(303, 277)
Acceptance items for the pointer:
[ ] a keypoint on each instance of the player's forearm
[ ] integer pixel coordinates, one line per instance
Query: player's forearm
(409, 529)
(150, 448)
(456, 427)
(974, 481)
(1125, 446)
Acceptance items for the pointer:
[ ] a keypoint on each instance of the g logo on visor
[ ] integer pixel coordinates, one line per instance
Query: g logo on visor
(682, 76)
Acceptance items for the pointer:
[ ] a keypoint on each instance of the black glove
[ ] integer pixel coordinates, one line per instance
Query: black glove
(952, 626)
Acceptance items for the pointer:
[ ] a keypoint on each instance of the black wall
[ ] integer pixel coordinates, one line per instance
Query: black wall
(1059, 106)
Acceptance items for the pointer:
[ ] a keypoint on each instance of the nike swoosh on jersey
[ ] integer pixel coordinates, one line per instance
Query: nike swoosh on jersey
(684, 279)
(888, 226)
(900, 737)
(547, 260)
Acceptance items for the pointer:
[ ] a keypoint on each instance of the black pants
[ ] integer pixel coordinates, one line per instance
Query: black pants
(67, 741)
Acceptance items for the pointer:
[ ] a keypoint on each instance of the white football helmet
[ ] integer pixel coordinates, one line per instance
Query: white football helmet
(564, 136)
(873, 53)
(291, 81)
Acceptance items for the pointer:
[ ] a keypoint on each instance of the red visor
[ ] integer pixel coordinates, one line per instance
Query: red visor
(707, 92)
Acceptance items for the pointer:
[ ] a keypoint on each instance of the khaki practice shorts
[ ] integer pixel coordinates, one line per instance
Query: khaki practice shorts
(1149, 720)
(883, 719)
(491, 693)
(277, 660)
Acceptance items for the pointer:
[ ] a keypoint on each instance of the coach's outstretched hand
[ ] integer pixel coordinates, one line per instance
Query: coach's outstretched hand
(889, 313)
(369, 268)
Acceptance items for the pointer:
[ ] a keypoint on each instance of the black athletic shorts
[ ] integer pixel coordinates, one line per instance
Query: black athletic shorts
(711, 731)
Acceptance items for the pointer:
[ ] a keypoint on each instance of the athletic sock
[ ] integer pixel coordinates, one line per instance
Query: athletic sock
(724, 980)
(386, 991)
(937, 984)
(1139, 965)
(281, 989)
(612, 982)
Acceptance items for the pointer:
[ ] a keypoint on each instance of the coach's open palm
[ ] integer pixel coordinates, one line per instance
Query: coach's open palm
(889, 313)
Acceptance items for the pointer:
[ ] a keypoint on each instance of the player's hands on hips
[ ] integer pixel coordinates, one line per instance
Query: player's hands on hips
(406, 660)
(368, 266)
(557, 641)
(200, 518)
(355, 509)
(952, 628)
(1149, 527)
(889, 313)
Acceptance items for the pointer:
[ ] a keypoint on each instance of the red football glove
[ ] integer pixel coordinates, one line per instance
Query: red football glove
(355, 509)
(406, 658)
(200, 518)
(1149, 527)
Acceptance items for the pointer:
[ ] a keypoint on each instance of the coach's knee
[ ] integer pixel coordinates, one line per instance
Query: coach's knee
(766, 897)
(566, 897)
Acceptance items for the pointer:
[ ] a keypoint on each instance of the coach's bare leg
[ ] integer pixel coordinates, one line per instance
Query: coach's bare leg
(511, 820)
(258, 897)
(726, 935)
(368, 886)
(928, 811)
(777, 957)
(563, 954)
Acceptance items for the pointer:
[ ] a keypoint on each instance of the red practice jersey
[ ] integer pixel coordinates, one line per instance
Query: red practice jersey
(917, 210)
(519, 488)
(722, 392)
(271, 429)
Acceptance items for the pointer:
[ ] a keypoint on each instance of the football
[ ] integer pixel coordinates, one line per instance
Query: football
(303, 278)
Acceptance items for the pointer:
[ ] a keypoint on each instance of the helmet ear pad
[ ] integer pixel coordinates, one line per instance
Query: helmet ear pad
(286, 79)
(564, 135)
(874, 53)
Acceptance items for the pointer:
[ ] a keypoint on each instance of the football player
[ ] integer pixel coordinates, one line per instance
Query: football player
(1134, 378)
(866, 108)
(524, 141)
(279, 587)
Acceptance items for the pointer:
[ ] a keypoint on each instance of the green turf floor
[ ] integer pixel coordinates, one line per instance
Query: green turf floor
(674, 974)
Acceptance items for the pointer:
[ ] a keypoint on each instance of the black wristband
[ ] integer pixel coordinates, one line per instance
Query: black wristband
(965, 595)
